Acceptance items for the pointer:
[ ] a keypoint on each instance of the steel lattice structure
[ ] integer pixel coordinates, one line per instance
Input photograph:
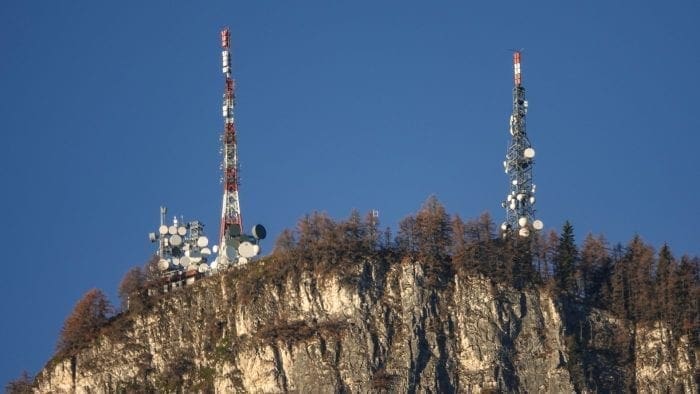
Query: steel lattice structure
(520, 201)
(231, 220)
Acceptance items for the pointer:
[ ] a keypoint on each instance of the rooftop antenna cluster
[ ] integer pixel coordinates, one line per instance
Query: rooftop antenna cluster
(182, 247)
(520, 158)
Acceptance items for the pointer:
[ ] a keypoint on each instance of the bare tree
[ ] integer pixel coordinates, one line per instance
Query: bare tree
(21, 385)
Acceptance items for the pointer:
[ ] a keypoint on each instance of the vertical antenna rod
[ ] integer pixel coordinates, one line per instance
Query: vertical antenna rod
(520, 201)
(231, 221)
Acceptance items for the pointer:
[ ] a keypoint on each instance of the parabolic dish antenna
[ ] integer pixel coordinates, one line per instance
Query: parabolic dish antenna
(230, 253)
(181, 231)
(205, 252)
(196, 259)
(256, 248)
(246, 249)
(202, 241)
(185, 261)
(215, 249)
(242, 260)
(524, 232)
(538, 225)
(172, 230)
(175, 240)
(203, 268)
(215, 264)
(522, 221)
(529, 153)
(163, 229)
(163, 264)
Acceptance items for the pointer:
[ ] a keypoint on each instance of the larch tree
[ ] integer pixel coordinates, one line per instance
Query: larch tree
(595, 268)
(131, 287)
(663, 284)
(83, 324)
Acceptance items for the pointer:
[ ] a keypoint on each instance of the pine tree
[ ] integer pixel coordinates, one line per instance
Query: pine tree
(565, 260)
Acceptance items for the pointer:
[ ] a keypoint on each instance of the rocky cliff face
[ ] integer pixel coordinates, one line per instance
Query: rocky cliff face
(380, 329)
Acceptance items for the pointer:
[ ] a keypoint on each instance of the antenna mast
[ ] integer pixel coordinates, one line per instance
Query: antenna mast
(231, 221)
(520, 201)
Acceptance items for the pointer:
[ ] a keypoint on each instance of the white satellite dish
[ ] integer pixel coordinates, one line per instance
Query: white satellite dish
(215, 249)
(538, 225)
(520, 196)
(242, 260)
(203, 268)
(202, 241)
(185, 261)
(524, 232)
(163, 229)
(256, 248)
(512, 205)
(504, 226)
(176, 240)
(172, 230)
(163, 264)
(522, 221)
(181, 231)
(515, 182)
(205, 252)
(529, 153)
(196, 259)
(532, 200)
(510, 197)
(246, 249)
(215, 264)
(192, 267)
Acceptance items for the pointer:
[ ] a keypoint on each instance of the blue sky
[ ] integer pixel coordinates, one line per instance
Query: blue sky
(108, 111)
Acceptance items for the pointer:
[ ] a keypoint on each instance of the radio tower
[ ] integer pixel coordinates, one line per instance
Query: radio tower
(234, 246)
(520, 201)
(231, 221)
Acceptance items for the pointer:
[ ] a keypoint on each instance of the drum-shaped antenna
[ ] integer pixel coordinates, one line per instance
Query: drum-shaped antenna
(259, 231)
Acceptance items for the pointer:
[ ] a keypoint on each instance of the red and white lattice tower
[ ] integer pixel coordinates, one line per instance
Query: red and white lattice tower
(231, 220)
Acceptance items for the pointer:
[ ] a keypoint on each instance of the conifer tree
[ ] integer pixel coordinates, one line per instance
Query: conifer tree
(83, 324)
(663, 283)
(565, 260)
(595, 268)
(131, 287)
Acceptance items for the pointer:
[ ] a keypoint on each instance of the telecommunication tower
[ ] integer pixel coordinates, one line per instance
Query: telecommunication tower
(520, 201)
(235, 247)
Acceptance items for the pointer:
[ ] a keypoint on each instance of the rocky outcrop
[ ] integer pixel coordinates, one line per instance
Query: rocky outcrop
(382, 328)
